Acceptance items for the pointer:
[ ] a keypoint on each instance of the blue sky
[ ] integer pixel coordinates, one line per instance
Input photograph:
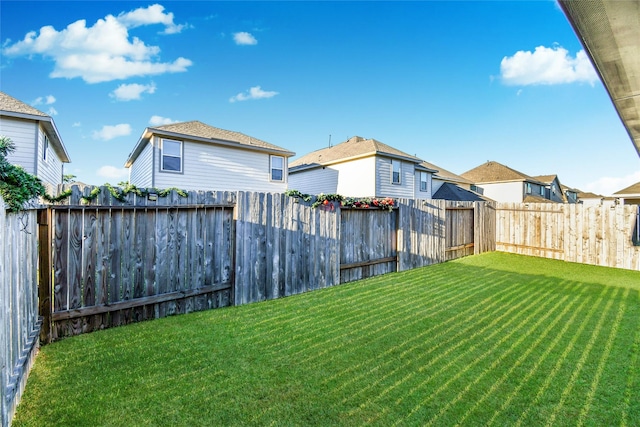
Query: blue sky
(455, 83)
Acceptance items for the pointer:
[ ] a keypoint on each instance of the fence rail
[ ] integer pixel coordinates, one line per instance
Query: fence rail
(598, 235)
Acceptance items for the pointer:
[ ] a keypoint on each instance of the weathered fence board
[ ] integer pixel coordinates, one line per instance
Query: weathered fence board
(19, 321)
(117, 263)
(598, 235)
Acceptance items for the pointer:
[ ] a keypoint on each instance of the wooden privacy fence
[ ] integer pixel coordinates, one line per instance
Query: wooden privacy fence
(119, 262)
(19, 322)
(598, 235)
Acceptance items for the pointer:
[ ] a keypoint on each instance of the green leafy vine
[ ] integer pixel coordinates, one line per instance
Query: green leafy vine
(322, 199)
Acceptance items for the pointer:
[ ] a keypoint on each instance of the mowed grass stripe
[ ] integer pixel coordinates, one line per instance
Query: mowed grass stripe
(632, 386)
(568, 308)
(562, 358)
(535, 367)
(542, 303)
(583, 358)
(429, 338)
(606, 352)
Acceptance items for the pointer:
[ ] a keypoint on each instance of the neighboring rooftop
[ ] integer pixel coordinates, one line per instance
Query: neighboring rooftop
(632, 189)
(12, 105)
(496, 172)
(202, 132)
(353, 148)
(450, 191)
(444, 174)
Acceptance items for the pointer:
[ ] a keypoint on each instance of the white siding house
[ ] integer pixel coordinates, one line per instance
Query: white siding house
(196, 156)
(361, 167)
(39, 148)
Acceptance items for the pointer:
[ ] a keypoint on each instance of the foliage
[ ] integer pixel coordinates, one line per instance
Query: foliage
(68, 178)
(322, 199)
(17, 186)
(495, 339)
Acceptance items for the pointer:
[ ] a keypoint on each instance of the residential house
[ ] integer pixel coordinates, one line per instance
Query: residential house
(570, 195)
(629, 195)
(39, 147)
(449, 186)
(361, 167)
(591, 199)
(195, 156)
(504, 184)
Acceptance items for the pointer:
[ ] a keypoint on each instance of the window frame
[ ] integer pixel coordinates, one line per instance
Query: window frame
(272, 168)
(395, 162)
(45, 147)
(163, 155)
(426, 181)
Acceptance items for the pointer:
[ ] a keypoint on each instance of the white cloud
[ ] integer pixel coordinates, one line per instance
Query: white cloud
(76, 125)
(109, 132)
(113, 173)
(159, 121)
(244, 38)
(608, 185)
(52, 111)
(254, 93)
(103, 52)
(127, 92)
(546, 66)
(148, 16)
(46, 100)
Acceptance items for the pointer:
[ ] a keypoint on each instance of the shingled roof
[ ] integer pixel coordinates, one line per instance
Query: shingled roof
(632, 189)
(444, 174)
(450, 191)
(492, 172)
(354, 148)
(202, 132)
(12, 107)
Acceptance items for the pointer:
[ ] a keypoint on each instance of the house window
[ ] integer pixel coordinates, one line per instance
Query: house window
(527, 188)
(395, 174)
(171, 155)
(542, 191)
(45, 148)
(423, 181)
(277, 168)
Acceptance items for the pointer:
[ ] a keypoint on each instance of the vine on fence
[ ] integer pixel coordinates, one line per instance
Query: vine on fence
(386, 203)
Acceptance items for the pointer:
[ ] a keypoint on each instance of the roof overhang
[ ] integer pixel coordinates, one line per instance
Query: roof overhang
(610, 34)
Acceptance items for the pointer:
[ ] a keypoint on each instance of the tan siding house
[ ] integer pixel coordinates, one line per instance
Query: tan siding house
(196, 156)
(629, 195)
(39, 147)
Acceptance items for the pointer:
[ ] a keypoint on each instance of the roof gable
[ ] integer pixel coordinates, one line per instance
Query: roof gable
(355, 147)
(13, 105)
(450, 191)
(632, 189)
(496, 172)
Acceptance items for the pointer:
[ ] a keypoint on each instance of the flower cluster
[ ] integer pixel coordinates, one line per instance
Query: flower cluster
(330, 201)
(366, 203)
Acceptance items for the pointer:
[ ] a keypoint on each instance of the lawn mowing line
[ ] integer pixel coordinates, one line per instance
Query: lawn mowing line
(500, 358)
(535, 293)
(583, 358)
(371, 330)
(322, 308)
(348, 319)
(563, 356)
(631, 375)
(535, 367)
(336, 301)
(477, 360)
(418, 337)
(605, 355)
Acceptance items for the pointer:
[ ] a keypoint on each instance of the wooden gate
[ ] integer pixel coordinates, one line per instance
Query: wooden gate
(459, 223)
(114, 265)
(368, 243)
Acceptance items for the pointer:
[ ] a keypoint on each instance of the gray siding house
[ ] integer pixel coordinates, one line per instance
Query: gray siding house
(195, 156)
(39, 147)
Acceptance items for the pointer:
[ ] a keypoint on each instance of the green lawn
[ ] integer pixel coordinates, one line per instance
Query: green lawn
(495, 339)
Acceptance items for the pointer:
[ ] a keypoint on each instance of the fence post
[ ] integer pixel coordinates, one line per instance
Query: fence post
(44, 272)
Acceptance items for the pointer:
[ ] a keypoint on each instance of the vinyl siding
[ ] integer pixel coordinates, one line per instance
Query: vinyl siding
(356, 178)
(49, 170)
(384, 187)
(315, 181)
(23, 133)
(419, 194)
(213, 167)
(141, 171)
(505, 192)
